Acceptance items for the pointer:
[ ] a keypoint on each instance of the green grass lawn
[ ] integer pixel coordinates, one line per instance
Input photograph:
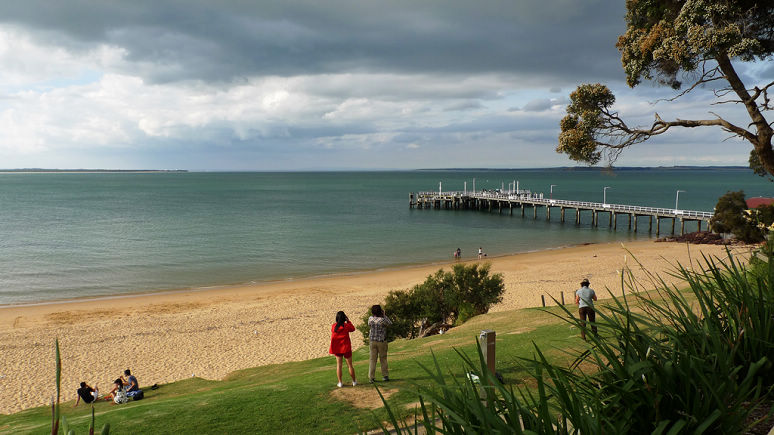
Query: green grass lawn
(302, 397)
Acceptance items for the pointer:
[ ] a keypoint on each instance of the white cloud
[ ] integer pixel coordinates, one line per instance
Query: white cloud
(71, 101)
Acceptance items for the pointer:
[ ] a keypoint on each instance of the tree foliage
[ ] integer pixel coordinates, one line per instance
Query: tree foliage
(729, 212)
(668, 41)
(446, 296)
(733, 216)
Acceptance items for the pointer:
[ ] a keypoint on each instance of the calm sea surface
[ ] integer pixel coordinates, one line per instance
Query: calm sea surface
(78, 235)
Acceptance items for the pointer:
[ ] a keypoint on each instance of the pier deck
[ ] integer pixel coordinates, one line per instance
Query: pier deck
(487, 200)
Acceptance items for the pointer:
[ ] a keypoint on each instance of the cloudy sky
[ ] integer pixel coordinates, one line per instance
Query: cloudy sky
(335, 84)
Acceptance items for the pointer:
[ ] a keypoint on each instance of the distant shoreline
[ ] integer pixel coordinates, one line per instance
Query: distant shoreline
(593, 168)
(87, 171)
(555, 168)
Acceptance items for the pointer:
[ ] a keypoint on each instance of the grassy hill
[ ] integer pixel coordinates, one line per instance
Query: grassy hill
(302, 397)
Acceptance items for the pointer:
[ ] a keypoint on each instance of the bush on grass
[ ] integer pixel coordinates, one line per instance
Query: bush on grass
(673, 365)
(448, 297)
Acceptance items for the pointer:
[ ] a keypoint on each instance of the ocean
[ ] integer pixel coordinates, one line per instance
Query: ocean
(75, 235)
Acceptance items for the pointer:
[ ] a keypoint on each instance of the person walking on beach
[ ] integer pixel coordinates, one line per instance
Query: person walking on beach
(480, 252)
(341, 346)
(377, 339)
(584, 299)
(88, 393)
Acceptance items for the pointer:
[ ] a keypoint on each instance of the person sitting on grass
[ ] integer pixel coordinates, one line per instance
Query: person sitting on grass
(130, 382)
(341, 346)
(118, 393)
(132, 386)
(87, 393)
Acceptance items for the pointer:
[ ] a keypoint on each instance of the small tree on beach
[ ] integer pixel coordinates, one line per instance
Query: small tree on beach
(445, 297)
(669, 41)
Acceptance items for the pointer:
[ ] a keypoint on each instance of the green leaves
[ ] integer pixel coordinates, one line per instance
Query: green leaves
(664, 37)
(668, 41)
(586, 120)
(733, 216)
(445, 296)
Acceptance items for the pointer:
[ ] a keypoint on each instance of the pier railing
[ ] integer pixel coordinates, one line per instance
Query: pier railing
(538, 199)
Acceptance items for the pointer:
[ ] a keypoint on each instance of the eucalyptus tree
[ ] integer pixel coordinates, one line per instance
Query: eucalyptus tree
(685, 45)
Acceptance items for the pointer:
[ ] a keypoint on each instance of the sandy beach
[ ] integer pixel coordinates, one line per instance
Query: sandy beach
(210, 333)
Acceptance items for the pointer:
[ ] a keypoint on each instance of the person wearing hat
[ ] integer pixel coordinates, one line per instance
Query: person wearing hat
(584, 299)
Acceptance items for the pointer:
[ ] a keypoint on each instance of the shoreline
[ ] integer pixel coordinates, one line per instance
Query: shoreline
(210, 332)
(256, 283)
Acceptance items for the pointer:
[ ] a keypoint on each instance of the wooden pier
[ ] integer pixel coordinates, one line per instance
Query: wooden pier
(519, 200)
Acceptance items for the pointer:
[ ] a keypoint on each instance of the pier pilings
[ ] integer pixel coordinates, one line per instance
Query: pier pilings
(488, 201)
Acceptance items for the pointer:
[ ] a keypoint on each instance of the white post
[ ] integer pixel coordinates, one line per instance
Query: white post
(604, 194)
(552, 190)
(474, 185)
(517, 186)
(677, 197)
(440, 192)
(466, 188)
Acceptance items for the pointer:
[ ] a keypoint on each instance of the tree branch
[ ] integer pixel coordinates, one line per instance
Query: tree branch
(762, 140)
(759, 91)
(763, 91)
(620, 135)
(706, 77)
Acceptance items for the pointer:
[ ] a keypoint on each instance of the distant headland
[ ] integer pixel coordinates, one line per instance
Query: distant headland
(87, 171)
(593, 168)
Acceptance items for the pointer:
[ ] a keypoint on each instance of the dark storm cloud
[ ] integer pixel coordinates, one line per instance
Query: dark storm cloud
(562, 41)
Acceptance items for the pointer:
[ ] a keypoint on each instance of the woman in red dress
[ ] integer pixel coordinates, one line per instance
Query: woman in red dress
(341, 346)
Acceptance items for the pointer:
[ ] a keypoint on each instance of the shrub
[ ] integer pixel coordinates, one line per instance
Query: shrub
(404, 312)
(732, 216)
(445, 297)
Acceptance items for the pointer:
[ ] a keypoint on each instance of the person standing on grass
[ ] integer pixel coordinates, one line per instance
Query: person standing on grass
(341, 346)
(584, 299)
(377, 338)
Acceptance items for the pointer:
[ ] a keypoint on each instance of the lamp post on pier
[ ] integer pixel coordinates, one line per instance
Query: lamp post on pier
(552, 191)
(604, 194)
(677, 197)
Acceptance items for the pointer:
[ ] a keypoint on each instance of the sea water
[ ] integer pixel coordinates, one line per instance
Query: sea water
(73, 235)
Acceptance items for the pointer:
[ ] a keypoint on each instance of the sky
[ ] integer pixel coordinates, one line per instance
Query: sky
(332, 85)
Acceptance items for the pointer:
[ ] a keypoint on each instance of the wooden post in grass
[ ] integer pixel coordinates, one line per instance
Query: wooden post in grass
(562, 293)
(543, 298)
(487, 341)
